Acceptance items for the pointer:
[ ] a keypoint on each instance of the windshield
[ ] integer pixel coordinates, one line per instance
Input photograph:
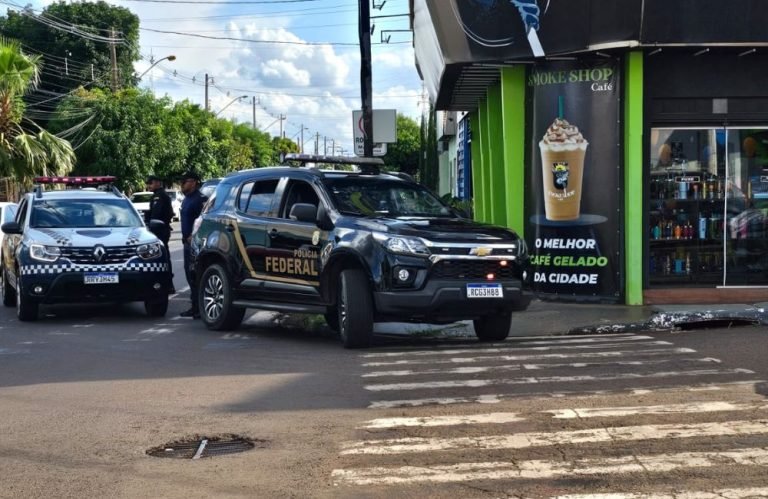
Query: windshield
(383, 197)
(142, 198)
(71, 213)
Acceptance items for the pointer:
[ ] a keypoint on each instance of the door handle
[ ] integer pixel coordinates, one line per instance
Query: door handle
(273, 233)
(230, 228)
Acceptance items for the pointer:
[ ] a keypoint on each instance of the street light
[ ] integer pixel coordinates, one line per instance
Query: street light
(168, 58)
(231, 102)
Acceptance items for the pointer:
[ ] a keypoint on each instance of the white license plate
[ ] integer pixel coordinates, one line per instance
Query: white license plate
(484, 291)
(101, 278)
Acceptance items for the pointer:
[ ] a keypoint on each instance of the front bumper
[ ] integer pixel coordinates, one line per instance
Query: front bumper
(70, 287)
(446, 301)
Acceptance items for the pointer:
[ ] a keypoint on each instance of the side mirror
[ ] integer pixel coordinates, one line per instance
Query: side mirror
(303, 212)
(11, 228)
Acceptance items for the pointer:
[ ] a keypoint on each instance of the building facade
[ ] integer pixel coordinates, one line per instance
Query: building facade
(627, 140)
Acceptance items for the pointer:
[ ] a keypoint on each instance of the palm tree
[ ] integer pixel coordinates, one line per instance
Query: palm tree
(26, 149)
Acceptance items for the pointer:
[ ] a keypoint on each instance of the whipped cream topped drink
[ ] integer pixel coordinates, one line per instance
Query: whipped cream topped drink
(562, 166)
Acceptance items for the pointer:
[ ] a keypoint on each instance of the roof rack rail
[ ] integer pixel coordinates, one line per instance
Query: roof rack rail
(371, 166)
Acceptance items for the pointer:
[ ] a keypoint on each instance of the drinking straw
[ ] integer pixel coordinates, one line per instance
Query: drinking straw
(560, 105)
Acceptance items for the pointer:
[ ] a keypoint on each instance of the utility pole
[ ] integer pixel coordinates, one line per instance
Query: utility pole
(317, 143)
(281, 118)
(206, 91)
(364, 31)
(113, 54)
(254, 112)
(301, 144)
(333, 147)
(325, 146)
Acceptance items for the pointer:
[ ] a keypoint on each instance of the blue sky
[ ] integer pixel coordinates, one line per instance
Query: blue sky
(312, 77)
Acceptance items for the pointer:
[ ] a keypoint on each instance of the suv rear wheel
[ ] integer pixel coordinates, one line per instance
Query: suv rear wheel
(493, 327)
(215, 296)
(355, 307)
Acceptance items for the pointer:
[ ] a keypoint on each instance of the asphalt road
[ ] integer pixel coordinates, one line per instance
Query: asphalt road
(86, 391)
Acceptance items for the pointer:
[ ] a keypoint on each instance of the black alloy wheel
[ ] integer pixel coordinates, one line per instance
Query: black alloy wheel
(26, 309)
(215, 298)
(9, 294)
(355, 307)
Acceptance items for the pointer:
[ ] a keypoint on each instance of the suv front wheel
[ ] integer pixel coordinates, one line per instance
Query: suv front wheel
(215, 297)
(9, 294)
(493, 327)
(355, 307)
(26, 309)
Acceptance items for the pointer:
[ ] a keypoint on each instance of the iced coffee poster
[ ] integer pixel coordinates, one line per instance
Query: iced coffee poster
(574, 193)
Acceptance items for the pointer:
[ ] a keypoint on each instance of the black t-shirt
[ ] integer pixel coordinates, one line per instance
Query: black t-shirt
(160, 207)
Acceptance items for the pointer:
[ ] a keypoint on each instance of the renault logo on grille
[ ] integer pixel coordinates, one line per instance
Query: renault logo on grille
(98, 253)
(480, 251)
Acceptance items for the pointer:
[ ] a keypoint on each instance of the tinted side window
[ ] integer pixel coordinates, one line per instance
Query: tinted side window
(256, 197)
(298, 192)
(22, 213)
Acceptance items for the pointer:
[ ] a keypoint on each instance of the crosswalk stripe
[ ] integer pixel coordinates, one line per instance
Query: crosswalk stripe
(457, 351)
(539, 439)
(477, 383)
(715, 494)
(531, 367)
(496, 398)
(538, 469)
(697, 407)
(489, 418)
(544, 356)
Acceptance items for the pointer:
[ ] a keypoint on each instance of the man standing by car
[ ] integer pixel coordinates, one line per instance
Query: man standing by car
(191, 208)
(160, 213)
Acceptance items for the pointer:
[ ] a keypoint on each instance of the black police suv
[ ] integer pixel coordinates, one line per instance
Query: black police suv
(86, 243)
(359, 246)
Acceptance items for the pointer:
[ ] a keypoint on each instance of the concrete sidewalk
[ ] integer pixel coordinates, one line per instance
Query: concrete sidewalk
(557, 318)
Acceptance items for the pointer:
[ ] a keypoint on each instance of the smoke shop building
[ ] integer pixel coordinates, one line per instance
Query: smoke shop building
(627, 140)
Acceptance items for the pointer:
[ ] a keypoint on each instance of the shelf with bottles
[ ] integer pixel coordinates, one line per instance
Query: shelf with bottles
(681, 264)
(680, 225)
(687, 186)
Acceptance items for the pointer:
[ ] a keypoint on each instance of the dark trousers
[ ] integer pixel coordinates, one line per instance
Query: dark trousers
(189, 272)
(165, 236)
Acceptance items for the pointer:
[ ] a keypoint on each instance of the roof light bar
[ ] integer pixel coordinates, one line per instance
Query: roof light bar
(75, 180)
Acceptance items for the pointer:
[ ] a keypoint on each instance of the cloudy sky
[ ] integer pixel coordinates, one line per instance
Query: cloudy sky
(298, 58)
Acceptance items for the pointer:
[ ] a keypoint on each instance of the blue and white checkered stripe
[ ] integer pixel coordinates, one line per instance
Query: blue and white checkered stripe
(60, 269)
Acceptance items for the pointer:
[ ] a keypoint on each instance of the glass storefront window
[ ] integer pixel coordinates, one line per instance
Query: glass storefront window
(708, 218)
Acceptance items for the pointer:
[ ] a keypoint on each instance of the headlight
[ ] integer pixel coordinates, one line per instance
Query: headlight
(150, 251)
(44, 253)
(403, 245)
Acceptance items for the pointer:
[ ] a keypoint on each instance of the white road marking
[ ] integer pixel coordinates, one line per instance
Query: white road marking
(436, 352)
(696, 407)
(498, 397)
(715, 494)
(490, 418)
(477, 383)
(540, 439)
(543, 356)
(528, 367)
(538, 469)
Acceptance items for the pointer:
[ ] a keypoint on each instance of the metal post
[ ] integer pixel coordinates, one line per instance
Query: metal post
(206, 91)
(364, 30)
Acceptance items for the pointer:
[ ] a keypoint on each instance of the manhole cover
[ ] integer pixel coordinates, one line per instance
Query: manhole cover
(198, 447)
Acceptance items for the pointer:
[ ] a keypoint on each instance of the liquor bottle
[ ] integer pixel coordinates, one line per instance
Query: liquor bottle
(657, 231)
(678, 231)
(667, 265)
(704, 189)
(687, 263)
(702, 227)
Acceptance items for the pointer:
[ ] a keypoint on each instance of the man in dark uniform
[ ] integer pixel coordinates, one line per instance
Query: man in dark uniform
(160, 213)
(191, 208)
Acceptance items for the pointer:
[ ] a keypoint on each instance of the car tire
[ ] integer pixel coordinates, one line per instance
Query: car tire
(26, 309)
(157, 308)
(355, 309)
(215, 298)
(493, 327)
(9, 294)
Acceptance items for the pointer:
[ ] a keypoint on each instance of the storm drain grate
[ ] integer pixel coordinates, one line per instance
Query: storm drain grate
(199, 447)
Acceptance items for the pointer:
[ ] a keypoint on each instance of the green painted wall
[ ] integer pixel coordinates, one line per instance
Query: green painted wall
(513, 111)
(477, 166)
(496, 178)
(633, 178)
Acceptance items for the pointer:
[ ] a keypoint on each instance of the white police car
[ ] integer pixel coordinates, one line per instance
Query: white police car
(81, 245)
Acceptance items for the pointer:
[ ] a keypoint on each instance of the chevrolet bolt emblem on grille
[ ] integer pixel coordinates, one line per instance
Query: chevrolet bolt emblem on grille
(98, 253)
(480, 251)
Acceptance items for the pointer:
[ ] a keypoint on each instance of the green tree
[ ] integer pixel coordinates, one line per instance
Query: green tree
(404, 154)
(71, 59)
(26, 149)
